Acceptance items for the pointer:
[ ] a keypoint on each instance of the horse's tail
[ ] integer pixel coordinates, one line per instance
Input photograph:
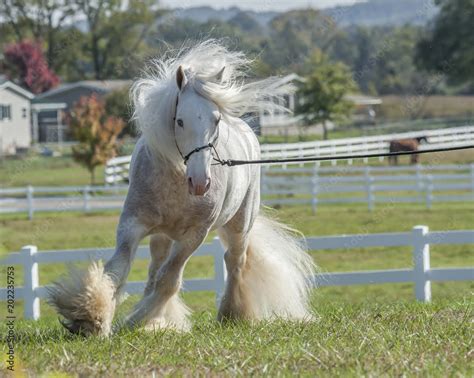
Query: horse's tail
(275, 280)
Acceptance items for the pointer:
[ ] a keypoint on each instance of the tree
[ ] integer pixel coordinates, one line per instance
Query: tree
(25, 64)
(295, 35)
(322, 94)
(41, 21)
(96, 131)
(448, 46)
(117, 103)
(116, 30)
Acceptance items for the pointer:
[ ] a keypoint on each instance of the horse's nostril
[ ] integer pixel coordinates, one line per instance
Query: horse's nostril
(208, 185)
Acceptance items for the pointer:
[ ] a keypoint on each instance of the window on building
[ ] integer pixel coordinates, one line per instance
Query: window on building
(5, 112)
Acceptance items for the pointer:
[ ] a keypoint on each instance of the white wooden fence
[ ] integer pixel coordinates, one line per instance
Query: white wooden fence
(405, 184)
(421, 274)
(310, 185)
(87, 198)
(451, 137)
(116, 170)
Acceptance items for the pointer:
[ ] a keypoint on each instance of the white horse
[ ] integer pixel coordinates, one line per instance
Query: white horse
(188, 112)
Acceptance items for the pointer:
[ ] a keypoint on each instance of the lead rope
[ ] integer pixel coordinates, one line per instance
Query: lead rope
(232, 163)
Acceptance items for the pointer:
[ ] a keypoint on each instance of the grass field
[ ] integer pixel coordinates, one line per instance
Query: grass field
(367, 339)
(403, 107)
(362, 330)
(368, 330)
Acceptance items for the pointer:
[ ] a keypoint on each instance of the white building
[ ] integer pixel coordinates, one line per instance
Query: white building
(285, 123)
(49, 108)
(15, 118)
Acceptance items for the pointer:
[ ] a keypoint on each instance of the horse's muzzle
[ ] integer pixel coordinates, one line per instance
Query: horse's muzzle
(198, 188)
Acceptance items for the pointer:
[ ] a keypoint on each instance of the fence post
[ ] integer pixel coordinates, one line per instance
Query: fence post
(31, 282)
(421, 263)
(314, 190)
(369, 188)
(366, 151)
(429, 191)
(349, 161)
(29, 198)
(87, 206)
(472, 178)
(419, 183)
(220, 271)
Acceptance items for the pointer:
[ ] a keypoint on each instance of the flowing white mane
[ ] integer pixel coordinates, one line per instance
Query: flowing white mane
(154, 95)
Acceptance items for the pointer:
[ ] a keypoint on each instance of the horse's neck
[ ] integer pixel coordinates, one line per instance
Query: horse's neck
(241, 139)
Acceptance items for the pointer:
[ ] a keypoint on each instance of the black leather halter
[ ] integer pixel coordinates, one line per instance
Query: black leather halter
(210, 145)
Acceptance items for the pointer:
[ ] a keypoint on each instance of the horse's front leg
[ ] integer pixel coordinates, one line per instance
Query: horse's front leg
(129, 234)
(87, 300)
(162, 308)
(160, 246)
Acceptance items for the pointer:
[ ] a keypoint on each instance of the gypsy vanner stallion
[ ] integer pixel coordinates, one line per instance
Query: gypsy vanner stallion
(188, 108)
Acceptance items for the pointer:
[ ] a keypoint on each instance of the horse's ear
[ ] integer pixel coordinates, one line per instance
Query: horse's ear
(220, 75)
(181, 79)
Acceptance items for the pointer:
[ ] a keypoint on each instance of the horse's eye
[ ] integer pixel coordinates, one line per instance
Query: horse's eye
(218, 120)
(180, 122)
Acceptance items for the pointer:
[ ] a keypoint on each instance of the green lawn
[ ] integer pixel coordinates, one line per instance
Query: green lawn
(45, 171)
(363, 330)
(366, 339)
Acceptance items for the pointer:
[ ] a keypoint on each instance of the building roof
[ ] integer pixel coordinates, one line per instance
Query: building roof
(7, 84)
(357, 98)
(288, 79)
(360, 99)
(98, 85)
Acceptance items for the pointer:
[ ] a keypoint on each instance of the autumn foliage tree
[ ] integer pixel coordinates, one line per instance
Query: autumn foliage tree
(323, 93)
(96, 131)
(24, 63)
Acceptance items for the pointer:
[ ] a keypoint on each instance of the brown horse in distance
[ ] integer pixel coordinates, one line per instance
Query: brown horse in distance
(406, 145)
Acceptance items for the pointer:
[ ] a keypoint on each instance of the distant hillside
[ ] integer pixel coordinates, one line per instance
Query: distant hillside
(384, 12)
(204, 14)
(370, 13)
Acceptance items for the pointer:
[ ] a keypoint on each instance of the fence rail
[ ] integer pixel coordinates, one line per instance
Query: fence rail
(312, 185)
(421, 274)
(116, 170)
(316, 185)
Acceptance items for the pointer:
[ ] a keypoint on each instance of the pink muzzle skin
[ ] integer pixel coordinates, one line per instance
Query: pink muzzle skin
(198, 188)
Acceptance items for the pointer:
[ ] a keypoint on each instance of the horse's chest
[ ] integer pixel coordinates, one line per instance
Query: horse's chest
(177, 209)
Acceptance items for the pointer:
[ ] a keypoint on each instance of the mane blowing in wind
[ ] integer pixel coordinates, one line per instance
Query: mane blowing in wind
(216, 73)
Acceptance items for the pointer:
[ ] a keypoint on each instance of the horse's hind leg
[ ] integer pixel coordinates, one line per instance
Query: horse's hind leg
(235, 302)
(267, 268)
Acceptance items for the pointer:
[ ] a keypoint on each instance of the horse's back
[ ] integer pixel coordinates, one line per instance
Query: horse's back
(403, 145)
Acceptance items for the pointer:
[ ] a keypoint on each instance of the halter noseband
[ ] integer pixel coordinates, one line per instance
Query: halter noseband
(210, 145)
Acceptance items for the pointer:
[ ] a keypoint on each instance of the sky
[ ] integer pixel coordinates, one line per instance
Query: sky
(257, 5)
